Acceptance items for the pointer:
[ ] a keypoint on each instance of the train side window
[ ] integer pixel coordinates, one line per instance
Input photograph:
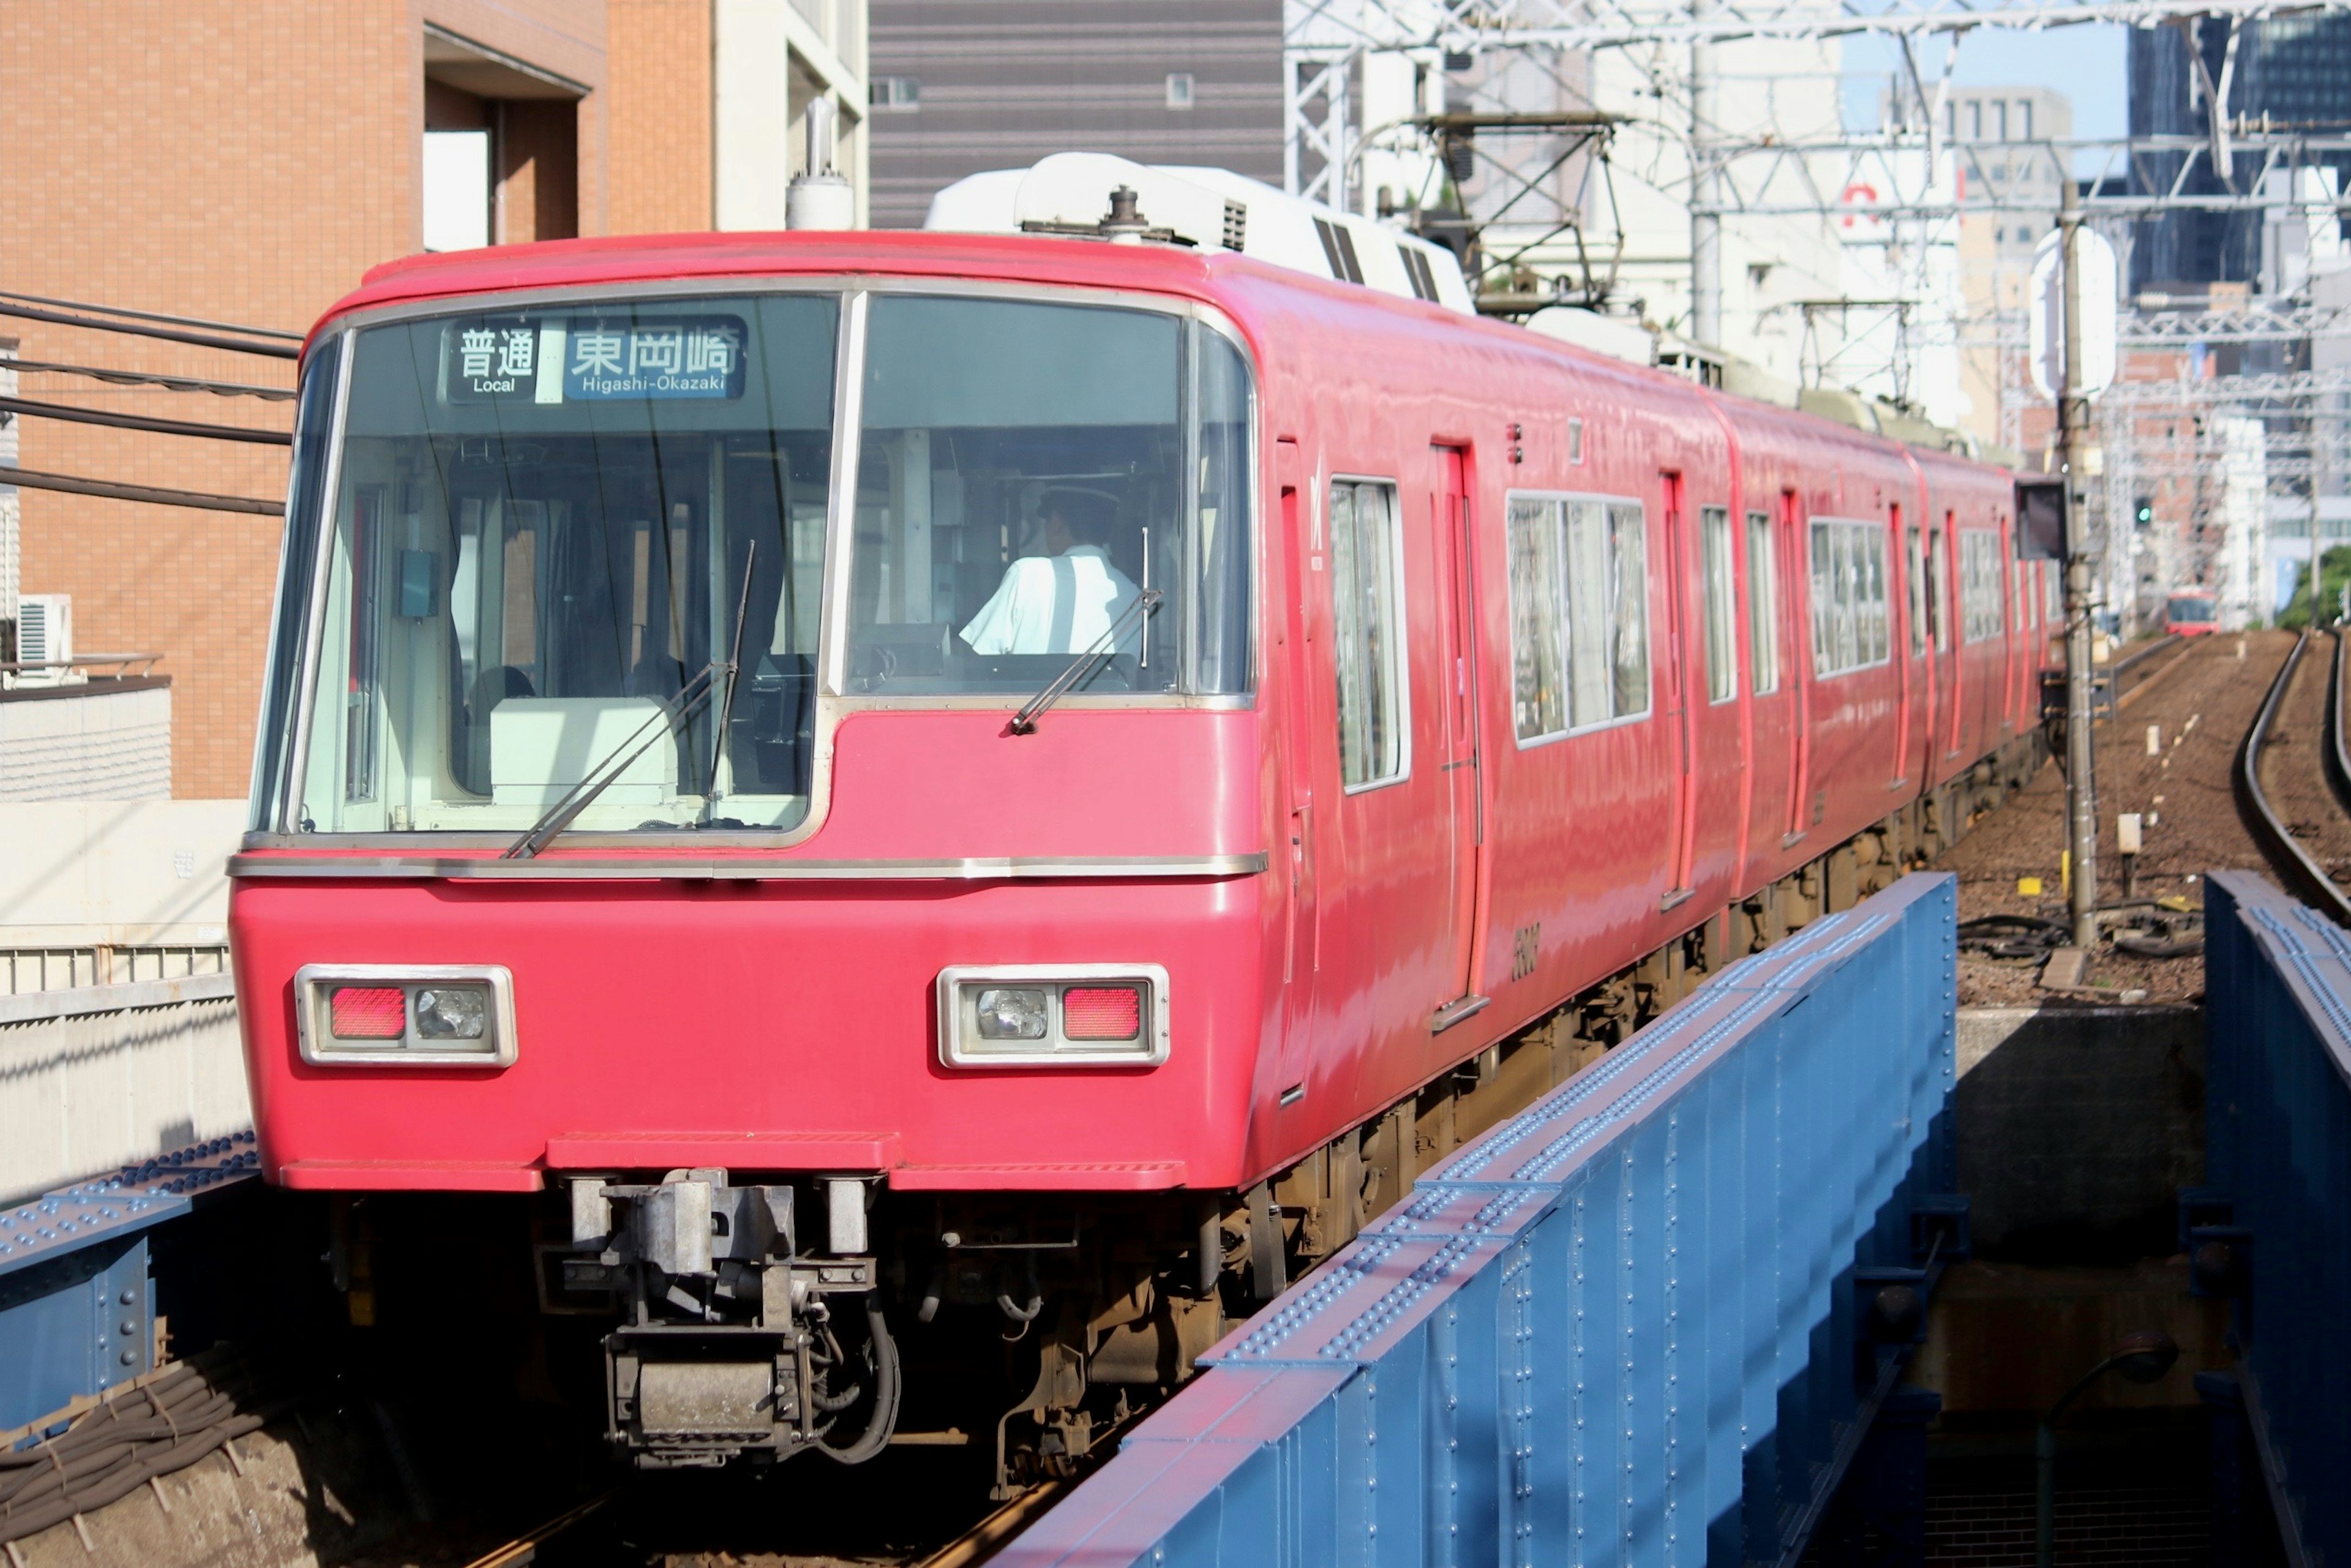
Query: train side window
(1980, 607)
(1579, 613)
(1367, 625)
(1608, 610)
(1538, 620)
(1849, 610)
(1763, 604)
(1721, 606)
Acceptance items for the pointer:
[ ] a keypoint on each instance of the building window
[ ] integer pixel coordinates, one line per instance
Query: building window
(1763, 604)
(1849, 622)
(896, 95)
(1179, 89)
(1367, 627)
(2024, 120)
(1579, 612)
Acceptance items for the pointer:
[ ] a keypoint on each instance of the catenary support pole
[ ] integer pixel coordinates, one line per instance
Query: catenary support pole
(2081, 570)
(1706, 196)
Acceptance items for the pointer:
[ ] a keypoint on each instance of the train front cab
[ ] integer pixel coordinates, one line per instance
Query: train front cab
(641, 803)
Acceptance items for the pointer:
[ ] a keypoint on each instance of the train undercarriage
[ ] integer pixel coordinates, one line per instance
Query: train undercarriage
(740, 1320)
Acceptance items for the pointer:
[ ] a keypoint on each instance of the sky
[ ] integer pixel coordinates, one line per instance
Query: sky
(2086, 63)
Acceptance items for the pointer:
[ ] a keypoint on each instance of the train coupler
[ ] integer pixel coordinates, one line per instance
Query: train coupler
(730, 1346)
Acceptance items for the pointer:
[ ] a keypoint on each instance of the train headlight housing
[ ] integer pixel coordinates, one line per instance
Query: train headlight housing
(420, 1015)
(1053, 1015)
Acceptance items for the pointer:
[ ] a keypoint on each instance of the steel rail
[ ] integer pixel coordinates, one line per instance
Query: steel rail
(524, 1548)
(2147, 681)
(2284, 849)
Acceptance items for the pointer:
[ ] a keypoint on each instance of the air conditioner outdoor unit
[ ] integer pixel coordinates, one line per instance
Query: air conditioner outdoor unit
(44, 636)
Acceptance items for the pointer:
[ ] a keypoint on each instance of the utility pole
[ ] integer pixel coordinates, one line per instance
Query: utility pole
(2073, 424)
(1706, 194)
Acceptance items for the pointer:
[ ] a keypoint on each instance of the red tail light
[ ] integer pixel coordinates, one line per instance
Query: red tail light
(370, 1012)
(1102, 1012)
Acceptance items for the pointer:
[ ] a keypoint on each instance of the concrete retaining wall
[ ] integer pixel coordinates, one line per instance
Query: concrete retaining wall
(108, 1076)
(2076, 1127)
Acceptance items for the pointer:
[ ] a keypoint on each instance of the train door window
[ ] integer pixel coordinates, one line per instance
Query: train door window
(1043, 482)
(1849, 609)
(1914, 579)
(1979, 586)
(1367, 631)
(1939, 599)
(1721, 606)
(1763, 604)
(1538, 620)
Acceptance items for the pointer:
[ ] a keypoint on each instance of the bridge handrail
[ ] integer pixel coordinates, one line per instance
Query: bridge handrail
(2277, 1110)
(1625, 1317)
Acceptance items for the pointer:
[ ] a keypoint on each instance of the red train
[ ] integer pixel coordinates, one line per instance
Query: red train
(921, 789)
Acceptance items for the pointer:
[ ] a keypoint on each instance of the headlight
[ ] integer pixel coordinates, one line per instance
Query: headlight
(425, 1015)
(1006, 1013)
(453, 1012)
(1060, 1015)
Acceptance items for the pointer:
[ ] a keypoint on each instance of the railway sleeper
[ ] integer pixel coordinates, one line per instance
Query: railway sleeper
(764, 1334)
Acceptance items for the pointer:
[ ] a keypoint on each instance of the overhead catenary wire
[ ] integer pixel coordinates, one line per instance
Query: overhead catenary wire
(152, 494)
(271, 351)
(32, 410)
(154, 316)
(148, 379)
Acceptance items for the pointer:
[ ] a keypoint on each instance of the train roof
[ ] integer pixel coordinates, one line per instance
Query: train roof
(1223, 279)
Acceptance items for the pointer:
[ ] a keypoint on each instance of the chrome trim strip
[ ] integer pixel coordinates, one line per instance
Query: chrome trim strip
(978, 868)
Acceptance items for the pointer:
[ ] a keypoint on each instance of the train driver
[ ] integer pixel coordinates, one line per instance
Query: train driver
(1063, 600)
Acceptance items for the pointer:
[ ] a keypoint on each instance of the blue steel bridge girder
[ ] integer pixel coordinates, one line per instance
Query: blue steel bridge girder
(1621, 1327)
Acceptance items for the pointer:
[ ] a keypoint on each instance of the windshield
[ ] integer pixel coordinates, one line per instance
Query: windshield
(2191, 609)
(1023, 476)
(546, 523)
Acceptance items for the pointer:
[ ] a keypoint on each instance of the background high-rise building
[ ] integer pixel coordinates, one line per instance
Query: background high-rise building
(2293, 71)
(965, 86)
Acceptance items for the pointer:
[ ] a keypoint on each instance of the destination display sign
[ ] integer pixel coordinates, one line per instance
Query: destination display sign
(591, 359)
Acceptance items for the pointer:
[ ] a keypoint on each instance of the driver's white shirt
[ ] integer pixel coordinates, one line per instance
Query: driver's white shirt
(1055, 604)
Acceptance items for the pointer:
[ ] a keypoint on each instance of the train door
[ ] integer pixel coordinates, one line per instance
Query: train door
(1680, 708)
(1461, 761)
(1795, 574)
(1294, 625)
(1917, 601)
(2010, 630)
(1944, 553)
(1905, 668)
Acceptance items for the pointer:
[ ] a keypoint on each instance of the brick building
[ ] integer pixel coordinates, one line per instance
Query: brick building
(963, 86)
(245, 161)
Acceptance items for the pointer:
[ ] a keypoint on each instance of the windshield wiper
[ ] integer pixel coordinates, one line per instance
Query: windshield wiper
(1085, 664)
(673, 714)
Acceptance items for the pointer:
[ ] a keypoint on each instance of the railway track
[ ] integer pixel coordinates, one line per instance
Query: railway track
(2294, 776)
(2137, 672)
(565, 1539)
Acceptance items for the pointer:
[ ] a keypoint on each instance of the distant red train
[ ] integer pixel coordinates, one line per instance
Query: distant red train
(2192, 613)
(919, 790)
